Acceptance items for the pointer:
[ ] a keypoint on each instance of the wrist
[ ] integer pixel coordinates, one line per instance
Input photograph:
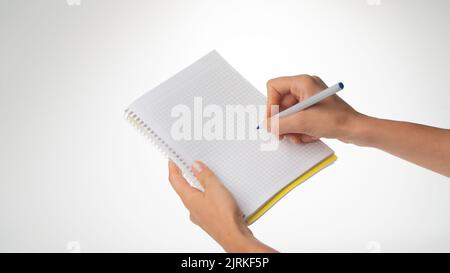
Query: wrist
(359, 130)
(241, 240)
(236, 238)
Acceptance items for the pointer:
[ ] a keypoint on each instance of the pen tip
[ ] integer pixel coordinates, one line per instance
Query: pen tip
(257, 128)
(341, 85)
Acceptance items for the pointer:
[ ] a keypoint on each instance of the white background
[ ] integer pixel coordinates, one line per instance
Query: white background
(75, 176)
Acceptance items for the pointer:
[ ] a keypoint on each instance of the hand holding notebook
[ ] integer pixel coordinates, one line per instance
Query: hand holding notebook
(215, 210)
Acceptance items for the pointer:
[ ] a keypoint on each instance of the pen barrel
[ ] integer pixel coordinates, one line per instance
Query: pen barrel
(312, 100)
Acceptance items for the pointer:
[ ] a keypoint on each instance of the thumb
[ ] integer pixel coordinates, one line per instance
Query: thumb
(292, 124)
(308, 138)
(204, 175)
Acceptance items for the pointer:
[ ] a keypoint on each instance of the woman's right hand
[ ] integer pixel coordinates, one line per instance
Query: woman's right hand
(330, 118)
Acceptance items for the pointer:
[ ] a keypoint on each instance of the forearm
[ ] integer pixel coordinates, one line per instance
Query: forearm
(425, 146)
(242, 240)
(248, 245)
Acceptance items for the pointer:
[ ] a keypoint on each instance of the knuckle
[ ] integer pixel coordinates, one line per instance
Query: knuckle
(207, 176)
(309, 80)
(296, 89)
(304, 83)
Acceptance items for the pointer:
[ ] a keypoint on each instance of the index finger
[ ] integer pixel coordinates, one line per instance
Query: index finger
(276, 89)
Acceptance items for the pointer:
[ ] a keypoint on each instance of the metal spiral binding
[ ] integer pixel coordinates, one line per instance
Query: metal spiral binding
(161, 145)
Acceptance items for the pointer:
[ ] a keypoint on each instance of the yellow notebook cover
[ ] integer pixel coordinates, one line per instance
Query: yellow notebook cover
(272, 201)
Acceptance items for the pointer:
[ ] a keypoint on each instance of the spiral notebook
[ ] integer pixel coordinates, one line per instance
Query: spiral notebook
(256, 178)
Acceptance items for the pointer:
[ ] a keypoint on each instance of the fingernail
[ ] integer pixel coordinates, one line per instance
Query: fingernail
(198, 166)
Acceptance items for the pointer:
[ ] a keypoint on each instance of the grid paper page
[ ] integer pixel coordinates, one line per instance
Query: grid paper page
(253, 176)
